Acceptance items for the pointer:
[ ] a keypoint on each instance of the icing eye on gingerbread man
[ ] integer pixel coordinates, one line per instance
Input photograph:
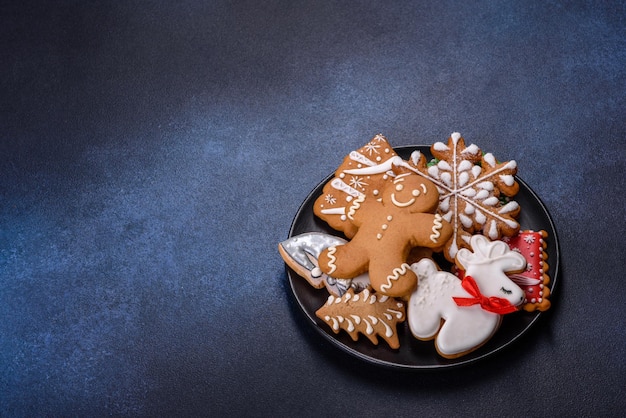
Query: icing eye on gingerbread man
(411, 191)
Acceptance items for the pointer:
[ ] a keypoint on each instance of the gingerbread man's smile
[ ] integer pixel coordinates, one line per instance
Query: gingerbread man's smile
(401, 204)
(399, 187)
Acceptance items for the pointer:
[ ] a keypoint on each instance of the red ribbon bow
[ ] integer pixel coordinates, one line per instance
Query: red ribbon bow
(493, 304)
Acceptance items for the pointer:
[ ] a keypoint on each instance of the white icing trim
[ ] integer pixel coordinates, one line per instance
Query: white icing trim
(334, 211)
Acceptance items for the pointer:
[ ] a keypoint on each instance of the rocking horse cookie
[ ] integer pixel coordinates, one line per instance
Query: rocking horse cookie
(462, 315)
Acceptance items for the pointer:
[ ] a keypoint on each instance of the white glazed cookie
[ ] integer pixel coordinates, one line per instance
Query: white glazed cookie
(462, 315)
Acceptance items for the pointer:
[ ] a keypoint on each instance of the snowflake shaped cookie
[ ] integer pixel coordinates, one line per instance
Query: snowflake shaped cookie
(474, 191)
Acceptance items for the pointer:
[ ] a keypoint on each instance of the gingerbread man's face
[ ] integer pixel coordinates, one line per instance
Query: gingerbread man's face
(412, 192)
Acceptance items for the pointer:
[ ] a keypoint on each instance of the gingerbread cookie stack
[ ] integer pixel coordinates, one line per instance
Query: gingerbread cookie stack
(396, 215)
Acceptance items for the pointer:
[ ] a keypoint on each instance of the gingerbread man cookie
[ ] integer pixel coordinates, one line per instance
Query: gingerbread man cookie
(388, 226)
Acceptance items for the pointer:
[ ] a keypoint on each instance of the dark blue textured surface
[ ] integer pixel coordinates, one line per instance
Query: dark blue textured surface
(152, 155)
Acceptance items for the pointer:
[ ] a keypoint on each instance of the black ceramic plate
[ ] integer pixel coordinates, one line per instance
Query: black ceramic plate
(413, 353)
